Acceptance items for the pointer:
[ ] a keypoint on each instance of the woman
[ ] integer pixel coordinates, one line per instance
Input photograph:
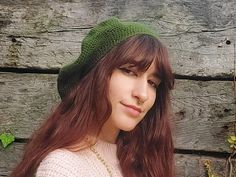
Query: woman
(113, 116)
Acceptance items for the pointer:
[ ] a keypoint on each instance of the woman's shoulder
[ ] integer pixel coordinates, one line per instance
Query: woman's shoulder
(61, 163)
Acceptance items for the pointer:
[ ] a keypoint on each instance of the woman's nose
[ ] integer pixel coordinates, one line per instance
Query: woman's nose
(140, 91)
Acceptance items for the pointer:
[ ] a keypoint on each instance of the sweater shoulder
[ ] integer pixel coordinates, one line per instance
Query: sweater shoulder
(61, 163)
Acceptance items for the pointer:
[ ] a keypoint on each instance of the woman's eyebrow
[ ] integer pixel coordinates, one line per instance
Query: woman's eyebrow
(130, 65)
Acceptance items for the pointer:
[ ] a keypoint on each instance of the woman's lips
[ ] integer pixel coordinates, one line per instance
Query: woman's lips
(132, 110)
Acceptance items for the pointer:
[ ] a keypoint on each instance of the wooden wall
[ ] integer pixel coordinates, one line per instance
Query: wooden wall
(37, 37)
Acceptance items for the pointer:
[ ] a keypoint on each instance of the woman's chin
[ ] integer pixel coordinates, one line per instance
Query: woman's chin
(128, 128)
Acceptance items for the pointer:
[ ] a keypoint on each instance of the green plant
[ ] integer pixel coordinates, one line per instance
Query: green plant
(6, 139)
(232, 142)
(208, 167)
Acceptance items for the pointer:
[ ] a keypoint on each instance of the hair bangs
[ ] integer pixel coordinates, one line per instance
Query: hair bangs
(141, 51)
(137, 51)
(164, 71)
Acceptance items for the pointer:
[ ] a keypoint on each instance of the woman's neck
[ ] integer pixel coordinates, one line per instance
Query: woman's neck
(109, 133)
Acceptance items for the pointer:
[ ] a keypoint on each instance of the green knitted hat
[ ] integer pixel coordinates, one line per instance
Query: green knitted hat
(102, 38)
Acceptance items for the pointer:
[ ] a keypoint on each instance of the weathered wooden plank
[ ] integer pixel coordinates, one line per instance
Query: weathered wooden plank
(186, 165)
(204, 111)
(25, 99)
(21, 17)
(9, 157)
(194, 166)
(204, 114)
(48, 34)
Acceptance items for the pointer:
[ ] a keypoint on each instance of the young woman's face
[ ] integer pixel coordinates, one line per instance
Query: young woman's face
(132, 93)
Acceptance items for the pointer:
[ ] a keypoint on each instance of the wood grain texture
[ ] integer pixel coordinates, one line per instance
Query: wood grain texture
(194, 166)
(48, 34)
(25, 99)
(186, 165)
(204, 114)
(9, 157)
(204, 111)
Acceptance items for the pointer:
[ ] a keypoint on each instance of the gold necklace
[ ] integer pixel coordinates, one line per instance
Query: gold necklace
(99, 157)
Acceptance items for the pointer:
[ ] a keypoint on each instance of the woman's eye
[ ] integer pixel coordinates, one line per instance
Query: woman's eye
(128, 71)
(153, 84)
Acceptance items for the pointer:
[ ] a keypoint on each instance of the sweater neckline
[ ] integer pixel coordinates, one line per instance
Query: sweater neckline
(107, 150)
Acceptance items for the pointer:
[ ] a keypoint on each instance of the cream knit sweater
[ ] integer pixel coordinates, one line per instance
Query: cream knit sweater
(84, 163)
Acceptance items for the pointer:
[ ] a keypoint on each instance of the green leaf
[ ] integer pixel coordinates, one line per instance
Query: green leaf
(230, 141)
(233, 138)
(7, 138)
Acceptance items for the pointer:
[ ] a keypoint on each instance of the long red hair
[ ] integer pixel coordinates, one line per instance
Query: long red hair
(146, 151)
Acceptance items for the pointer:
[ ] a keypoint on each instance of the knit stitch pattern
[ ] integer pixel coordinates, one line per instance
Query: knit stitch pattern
(84, 163)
